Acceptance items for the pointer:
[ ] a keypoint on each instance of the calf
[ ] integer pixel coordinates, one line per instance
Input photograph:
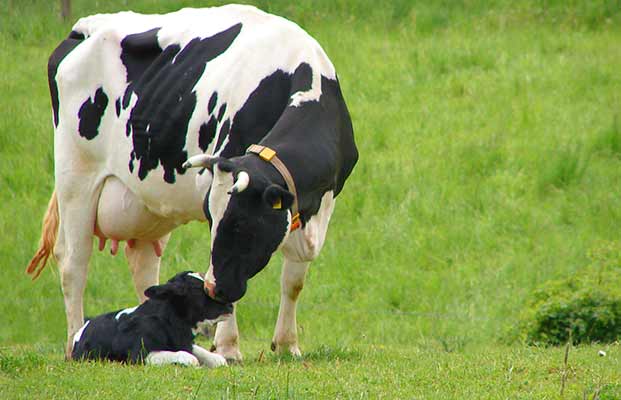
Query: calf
(159, 331)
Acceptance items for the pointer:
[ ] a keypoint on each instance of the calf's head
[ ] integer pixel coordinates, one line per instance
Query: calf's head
(187, 296)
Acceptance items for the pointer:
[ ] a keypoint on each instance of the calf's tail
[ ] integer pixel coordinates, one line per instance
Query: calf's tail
(49, 232)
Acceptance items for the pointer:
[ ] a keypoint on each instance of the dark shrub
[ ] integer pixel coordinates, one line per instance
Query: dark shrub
(586, 306)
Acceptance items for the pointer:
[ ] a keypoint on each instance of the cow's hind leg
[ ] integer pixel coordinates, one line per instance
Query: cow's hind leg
(144, 263)
(292, 281)
(77, 204)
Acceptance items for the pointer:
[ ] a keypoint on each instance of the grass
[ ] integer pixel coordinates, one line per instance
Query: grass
(489, 140)
(372, 372)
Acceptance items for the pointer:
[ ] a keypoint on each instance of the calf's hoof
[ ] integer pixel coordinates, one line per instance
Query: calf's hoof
(215, 360)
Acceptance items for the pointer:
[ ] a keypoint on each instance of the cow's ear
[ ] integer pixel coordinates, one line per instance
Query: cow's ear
(277, 197)
(166, 291)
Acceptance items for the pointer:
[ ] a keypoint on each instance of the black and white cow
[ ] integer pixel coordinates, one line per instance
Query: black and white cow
(159, 331)
(248, 97)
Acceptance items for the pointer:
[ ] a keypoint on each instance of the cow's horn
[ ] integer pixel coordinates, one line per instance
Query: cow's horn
(200, 161)
(241, 183)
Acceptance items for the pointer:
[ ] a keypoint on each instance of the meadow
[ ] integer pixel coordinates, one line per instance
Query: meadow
(490, 163)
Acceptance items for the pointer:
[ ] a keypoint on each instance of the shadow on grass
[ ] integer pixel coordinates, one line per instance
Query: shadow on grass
(321, 353)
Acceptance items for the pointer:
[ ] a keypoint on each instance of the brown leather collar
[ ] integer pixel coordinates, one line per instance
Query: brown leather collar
(269, 155)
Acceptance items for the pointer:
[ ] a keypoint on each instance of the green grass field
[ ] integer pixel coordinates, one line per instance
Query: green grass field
(490, 163)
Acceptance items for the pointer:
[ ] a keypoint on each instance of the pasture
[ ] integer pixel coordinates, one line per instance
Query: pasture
(490, 163)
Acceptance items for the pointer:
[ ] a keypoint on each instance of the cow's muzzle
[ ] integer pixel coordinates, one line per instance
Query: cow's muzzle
(210, 288)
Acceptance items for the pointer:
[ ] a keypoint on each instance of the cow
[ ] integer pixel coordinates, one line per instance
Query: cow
(228, 115)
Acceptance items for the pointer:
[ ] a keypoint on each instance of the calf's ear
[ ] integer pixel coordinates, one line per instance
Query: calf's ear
(166, 291)
(277, 197)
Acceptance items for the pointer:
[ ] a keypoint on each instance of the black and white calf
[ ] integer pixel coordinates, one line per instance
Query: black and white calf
(159, 331)
(248, 97)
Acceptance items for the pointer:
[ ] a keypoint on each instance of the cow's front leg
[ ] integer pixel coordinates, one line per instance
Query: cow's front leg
(291, 283)
(226, 340)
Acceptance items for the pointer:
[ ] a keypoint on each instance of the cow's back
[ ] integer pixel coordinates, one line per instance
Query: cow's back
(136, 94)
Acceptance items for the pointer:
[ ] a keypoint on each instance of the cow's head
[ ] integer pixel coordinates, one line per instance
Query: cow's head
(250, 219)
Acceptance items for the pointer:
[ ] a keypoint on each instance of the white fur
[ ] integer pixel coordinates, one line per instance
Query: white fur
(172, 357)
(78, 335)
(207, 358)
(126, 311)
(197, 276)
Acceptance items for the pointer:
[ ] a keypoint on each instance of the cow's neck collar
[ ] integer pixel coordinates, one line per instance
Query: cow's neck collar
(269, 155)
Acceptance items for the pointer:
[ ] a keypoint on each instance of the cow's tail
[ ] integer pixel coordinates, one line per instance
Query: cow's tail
(49, 232)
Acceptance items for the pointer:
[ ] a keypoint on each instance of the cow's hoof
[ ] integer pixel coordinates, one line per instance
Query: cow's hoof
(286, 348)
(231, 355)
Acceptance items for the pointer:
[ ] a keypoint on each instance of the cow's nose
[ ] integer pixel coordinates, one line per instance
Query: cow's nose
(210, 288)
(229, 293)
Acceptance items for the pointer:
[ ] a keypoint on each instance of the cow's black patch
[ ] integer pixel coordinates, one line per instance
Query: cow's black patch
(63, 49)
(302, 79)
(221, 112)
(207, 132)
(90, 114)
(224, 132)
(213, 100)
(117, 107)
(158, 122)
(264, 107)
(138, 51)
(132, 158)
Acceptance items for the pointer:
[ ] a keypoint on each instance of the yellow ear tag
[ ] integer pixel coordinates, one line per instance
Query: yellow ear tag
(277, 205)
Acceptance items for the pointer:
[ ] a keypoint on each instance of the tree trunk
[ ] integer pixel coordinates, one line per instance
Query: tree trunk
(65, 9)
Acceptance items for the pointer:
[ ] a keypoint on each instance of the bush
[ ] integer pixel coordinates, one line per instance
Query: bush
(585, 307)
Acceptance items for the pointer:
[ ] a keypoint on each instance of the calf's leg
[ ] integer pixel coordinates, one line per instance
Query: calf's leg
(207, 358)
(171, 357)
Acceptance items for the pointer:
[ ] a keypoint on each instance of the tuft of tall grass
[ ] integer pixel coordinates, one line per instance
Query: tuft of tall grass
(564, 167)
(608, 141)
